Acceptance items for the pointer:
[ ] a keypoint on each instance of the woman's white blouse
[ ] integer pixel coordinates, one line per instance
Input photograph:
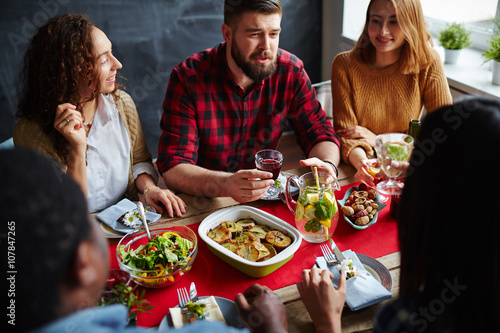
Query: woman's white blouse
(108, 156)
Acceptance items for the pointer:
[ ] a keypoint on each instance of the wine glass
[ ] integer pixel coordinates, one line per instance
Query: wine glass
(270, 160)
(390, 148)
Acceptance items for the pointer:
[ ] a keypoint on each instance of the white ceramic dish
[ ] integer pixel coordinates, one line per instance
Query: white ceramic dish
(253, 269)
(227, 307)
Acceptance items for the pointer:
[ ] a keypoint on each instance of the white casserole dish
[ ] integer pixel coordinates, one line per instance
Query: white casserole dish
(253, 269)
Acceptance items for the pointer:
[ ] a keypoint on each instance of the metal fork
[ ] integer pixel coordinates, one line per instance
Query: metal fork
(328, 255)
(184, 298)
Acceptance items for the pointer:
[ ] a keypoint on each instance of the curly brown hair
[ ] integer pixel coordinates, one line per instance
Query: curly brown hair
(58, 62)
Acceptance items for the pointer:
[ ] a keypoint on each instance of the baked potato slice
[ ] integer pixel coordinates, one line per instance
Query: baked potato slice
(247, 223)
(220, 234)
(263, 251)
(278, 239)
(233, 227)
(248, 251)
(247, 237)
(231, 245)
(271, 249)
(260, 231)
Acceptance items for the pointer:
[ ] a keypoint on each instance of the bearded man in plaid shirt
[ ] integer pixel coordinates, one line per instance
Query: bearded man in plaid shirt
(224, 104)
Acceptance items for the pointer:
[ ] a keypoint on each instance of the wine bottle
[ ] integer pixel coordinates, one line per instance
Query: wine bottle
(414, 128)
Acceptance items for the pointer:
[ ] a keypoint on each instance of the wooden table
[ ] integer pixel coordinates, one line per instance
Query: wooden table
(299, 320)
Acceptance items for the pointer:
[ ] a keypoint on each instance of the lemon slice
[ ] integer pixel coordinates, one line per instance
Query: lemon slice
(167, 234)
(330, 197)
(299, 212)
(326, 222)
(373, 170)
(309, 212)
(335, 207)
(312, 197)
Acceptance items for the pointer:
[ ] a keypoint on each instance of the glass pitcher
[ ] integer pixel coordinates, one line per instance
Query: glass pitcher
(316, 210)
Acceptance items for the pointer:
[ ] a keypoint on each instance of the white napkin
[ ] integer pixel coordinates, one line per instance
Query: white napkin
(212, 308)
(361, 291)
(110, 215)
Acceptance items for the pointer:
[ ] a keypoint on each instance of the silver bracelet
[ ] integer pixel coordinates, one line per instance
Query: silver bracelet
(146, 190)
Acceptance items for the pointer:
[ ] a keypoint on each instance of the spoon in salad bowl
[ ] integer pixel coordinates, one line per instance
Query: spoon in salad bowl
(140, 208)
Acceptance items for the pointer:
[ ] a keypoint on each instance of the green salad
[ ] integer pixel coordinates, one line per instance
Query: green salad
(164, 254)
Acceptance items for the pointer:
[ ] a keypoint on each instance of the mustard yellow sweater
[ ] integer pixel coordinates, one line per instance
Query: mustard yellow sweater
(382, 100)
(29, 134)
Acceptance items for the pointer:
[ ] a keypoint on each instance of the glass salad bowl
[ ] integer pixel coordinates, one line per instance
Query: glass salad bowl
(161, 262)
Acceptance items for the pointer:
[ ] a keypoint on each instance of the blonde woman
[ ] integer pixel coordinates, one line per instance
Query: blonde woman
(392, 73)
(73, 111)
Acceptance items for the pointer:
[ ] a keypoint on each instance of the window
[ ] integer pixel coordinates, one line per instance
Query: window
(477, 16)
(354, 18)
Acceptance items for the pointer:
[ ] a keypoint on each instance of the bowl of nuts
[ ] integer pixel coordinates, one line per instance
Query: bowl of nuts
(360, 206)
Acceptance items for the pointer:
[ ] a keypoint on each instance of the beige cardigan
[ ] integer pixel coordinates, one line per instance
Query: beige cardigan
(383, 100)
(29, 134)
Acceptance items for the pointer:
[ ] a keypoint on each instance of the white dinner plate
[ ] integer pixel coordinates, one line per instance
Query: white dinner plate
(111, 233)
(227, 307)
(376, 269)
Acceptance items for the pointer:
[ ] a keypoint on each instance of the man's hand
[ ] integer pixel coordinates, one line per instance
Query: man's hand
(245, 185)
(323, 302)
(261, 310)
(322, 166)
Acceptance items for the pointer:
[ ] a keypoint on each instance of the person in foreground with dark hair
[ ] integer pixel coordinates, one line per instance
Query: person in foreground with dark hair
(73, 111)
(61, 258)
(226, 103)
(448, 234)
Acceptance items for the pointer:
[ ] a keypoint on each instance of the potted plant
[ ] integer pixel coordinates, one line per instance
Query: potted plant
(454, 38)
(493, 53)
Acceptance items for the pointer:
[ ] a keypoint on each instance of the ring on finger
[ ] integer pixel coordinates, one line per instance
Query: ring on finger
(67, 120)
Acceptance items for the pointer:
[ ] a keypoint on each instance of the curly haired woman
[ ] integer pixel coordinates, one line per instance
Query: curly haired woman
(72, 110)
(386, 80)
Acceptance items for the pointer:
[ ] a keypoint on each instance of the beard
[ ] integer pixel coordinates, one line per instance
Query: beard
(256, 72)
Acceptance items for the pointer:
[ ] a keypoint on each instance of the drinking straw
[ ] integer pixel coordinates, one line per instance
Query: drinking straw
(322, 192)
(316, 176)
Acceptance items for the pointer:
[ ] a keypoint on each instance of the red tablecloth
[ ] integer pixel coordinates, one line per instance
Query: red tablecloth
(215, 277)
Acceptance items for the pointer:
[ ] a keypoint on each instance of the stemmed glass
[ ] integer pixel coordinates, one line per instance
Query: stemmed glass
(392, 147)
(270, 160)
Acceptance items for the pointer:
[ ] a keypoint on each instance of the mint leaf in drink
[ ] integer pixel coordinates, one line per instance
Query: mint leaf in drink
(396, 151)
(321, 211)
(312, 226)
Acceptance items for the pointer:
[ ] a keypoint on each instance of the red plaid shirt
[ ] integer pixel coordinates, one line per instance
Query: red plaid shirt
(210, 121)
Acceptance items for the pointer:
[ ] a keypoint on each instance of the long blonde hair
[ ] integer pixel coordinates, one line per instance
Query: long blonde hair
(418, 42)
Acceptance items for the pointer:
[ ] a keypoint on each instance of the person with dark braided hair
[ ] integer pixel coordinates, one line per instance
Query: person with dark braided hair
(72, 110)
(61, 259)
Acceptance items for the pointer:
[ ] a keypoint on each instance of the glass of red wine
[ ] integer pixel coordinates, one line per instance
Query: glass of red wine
(270, 160)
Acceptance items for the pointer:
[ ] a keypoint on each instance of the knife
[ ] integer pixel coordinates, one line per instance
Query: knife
(336, 251)
(193, 294)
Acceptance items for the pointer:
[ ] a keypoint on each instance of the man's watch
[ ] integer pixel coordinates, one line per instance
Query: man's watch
(334, 166)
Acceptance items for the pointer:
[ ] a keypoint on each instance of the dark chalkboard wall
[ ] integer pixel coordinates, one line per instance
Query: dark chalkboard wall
(149, 38)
